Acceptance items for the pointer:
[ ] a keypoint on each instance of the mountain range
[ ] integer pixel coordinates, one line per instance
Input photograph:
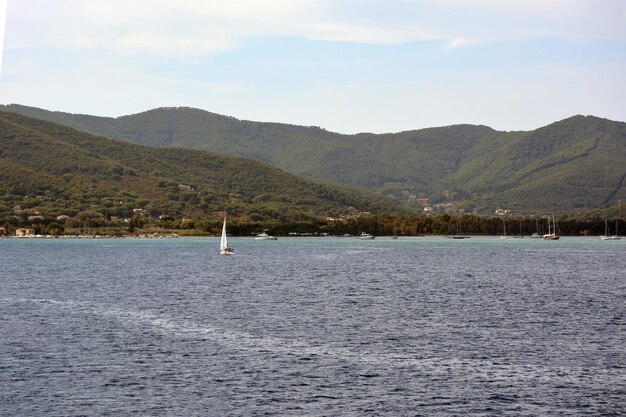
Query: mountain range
(570, 164)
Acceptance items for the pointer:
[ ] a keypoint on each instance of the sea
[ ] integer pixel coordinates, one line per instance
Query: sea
(313, 327)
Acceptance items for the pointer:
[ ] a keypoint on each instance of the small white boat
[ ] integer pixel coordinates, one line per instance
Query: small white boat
(264, 236)
(224, 248)
(366, 236)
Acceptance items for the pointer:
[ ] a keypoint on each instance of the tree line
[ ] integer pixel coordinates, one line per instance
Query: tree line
(378, 225)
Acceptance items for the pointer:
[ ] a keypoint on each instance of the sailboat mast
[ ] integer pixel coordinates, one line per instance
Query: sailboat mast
(548, 224)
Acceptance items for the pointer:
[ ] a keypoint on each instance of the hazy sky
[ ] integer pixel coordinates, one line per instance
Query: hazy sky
(345, 65)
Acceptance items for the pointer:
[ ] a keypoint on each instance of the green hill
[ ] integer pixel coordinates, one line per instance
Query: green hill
(46, 167)
(571, 164)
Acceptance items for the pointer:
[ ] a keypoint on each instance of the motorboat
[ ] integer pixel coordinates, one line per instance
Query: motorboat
(264, 236)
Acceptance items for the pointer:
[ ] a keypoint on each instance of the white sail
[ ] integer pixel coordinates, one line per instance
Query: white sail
(224, 242)
(224, 249)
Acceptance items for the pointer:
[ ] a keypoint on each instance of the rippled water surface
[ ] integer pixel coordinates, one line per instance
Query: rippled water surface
(318, 326)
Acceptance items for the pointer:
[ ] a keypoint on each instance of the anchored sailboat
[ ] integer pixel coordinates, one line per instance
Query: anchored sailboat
(607, 235)
(551, 235)
(224, 249)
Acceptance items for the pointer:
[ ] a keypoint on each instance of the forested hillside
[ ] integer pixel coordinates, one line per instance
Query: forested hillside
(571, 164)
(50, 169)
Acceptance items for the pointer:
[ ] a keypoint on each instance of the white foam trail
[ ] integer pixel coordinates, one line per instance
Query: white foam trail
(240, 340)
(433, 366)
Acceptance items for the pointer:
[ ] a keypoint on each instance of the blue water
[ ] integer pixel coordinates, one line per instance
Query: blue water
(313, 326)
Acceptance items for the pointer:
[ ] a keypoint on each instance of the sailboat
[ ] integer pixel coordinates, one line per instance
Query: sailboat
(606, 236)
(458, 232)
(551, 235)
(536, 235)
(224, 249)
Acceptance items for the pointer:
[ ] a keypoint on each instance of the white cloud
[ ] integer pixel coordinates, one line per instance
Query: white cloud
(113, 57)
(535, 5)
(3, 10)
(194, 27)
(342, 32)
(456, 43)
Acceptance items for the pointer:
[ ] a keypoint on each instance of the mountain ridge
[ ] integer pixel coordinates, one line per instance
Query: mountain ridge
(474, 166)
(20, 108)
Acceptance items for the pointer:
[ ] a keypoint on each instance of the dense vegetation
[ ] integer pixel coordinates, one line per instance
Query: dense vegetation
(48, 170)
(96, 223)
(574, 164)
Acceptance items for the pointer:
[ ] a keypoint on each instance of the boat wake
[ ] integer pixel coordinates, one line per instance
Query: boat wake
(237, 340)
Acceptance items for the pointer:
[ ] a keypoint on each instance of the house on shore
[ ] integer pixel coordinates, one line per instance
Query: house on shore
(24, 232)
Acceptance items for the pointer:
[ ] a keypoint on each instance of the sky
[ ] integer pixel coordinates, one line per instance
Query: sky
(345, 65)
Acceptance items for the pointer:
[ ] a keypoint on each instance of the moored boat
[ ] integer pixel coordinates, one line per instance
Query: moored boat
(551, 235)
(264, 236)
(607, 235)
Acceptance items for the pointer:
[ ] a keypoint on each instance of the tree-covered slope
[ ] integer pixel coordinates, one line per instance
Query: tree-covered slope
(74, 171)
(577, 162)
